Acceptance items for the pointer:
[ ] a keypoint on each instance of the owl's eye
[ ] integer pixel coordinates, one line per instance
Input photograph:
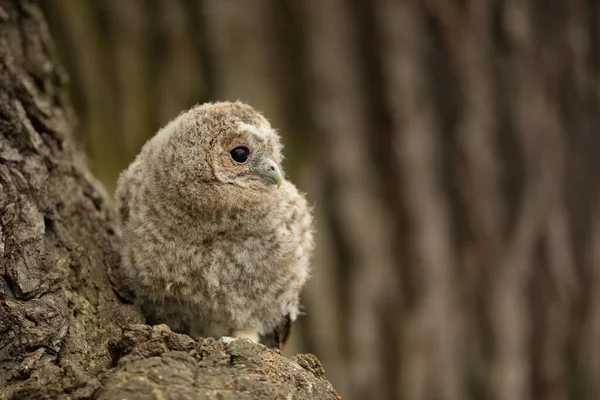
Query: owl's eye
(240, 154)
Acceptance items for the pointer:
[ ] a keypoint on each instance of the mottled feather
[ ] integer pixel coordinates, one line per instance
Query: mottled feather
(212, 246)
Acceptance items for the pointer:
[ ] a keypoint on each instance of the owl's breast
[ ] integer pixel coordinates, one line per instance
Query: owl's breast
(231, 274)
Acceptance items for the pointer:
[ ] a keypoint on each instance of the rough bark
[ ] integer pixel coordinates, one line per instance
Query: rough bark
(154, 362)
(64, 332)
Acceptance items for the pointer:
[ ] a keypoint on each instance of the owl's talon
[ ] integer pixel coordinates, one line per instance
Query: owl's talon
(227, 339)
(249, 334)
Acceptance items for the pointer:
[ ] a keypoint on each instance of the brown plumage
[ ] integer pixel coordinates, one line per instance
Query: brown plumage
(215, 241)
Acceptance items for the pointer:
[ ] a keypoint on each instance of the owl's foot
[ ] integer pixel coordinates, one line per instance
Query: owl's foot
(250, 334)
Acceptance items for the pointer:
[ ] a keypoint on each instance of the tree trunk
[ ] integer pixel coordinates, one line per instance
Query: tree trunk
(64, 332)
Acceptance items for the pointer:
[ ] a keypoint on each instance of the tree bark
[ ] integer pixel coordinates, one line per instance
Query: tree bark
(64, 331)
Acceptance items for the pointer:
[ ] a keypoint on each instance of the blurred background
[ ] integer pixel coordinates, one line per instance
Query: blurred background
(451, 149)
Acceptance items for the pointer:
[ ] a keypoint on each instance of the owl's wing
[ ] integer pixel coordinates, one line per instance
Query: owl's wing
(123, 193)
(280, 335)
(115, 272)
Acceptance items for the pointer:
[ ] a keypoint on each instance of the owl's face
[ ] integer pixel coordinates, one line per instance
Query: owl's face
(248, 155)
(221, 147)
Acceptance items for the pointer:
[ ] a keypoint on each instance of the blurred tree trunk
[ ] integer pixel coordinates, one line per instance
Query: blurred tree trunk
(458, 148)
(494, 123)
(64, 333)
(451, 148)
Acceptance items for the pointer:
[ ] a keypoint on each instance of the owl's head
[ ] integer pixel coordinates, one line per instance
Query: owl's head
(226, 146)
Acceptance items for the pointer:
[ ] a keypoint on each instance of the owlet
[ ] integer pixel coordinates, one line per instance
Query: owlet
(215, 241)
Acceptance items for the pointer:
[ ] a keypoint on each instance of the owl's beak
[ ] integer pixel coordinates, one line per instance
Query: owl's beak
(272, 172)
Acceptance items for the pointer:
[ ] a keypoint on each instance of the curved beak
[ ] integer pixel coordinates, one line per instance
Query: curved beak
(271, 171)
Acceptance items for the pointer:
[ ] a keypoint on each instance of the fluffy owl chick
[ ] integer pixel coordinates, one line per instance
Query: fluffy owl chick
(215, 241)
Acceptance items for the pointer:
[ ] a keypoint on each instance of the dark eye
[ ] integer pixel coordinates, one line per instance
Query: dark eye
(240, 154)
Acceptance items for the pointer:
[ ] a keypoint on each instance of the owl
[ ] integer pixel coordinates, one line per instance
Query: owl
(216, 242)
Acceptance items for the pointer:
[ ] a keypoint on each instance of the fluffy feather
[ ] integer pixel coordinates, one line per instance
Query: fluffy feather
(211, 247)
